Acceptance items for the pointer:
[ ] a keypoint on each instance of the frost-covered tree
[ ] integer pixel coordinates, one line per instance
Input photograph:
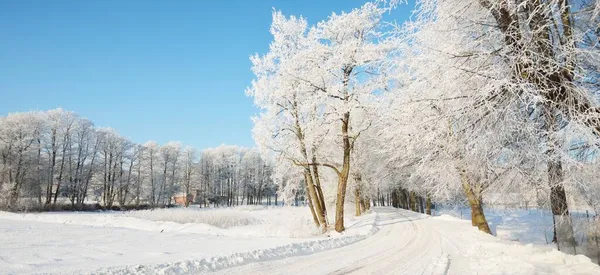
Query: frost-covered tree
(84, 156)
(151, 159)
(285, 125)
(190, 169)
(312, 86)
(232, 175)
(18, 135)
(52, 158)
(60, 124)
(496, 92)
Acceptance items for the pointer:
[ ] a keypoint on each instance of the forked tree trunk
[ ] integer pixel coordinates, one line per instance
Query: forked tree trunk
(310, 202)
(317, 180)
(314, 197)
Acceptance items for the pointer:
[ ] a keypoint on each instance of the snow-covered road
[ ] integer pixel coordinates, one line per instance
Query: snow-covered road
(412, 243)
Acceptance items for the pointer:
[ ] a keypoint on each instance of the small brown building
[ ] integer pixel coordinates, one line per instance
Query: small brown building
(180, 198)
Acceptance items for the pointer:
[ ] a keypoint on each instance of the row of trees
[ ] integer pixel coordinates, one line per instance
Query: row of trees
(232, 175)
(505, 96)
(467, 98)
(53, 157)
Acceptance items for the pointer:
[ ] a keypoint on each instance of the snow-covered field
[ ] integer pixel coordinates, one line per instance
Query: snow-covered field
(260, 240)
(213, 238)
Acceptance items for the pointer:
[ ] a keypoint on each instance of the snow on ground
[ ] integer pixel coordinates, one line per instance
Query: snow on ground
(246, 220)
(82, 242)
(527, 226)
(258, 240)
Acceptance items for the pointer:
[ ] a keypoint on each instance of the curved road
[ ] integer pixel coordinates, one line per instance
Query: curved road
(418, 251)
(412, 243)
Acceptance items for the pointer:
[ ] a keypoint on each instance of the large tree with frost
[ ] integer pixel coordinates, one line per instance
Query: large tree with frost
(500, 75)
(325, 73)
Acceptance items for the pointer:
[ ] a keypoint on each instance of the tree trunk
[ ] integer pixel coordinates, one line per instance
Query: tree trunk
(314, 196)
(13, 196)
(89, 174)
(477, 216)
(413, 202)
(62, 165)
(317, 180)
(357, 201)
(38, 172)
(52, 167)
(187, 190)
(343, 175)
(18, 180)
(428, 205)
(339, 206)
(310, 202)
(563, 225)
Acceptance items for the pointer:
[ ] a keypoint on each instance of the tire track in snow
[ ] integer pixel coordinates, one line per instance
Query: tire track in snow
(417, 256)
(389, 252)
(400, 246)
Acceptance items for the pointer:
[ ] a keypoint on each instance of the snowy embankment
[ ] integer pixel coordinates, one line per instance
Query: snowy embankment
(535, 226)
(162, 241)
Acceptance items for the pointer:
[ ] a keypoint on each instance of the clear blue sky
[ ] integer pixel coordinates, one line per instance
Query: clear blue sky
(152, 70)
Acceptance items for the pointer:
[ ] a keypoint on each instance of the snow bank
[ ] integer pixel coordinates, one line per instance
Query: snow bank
(491, 255)
(533, 226)
(488, 255)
